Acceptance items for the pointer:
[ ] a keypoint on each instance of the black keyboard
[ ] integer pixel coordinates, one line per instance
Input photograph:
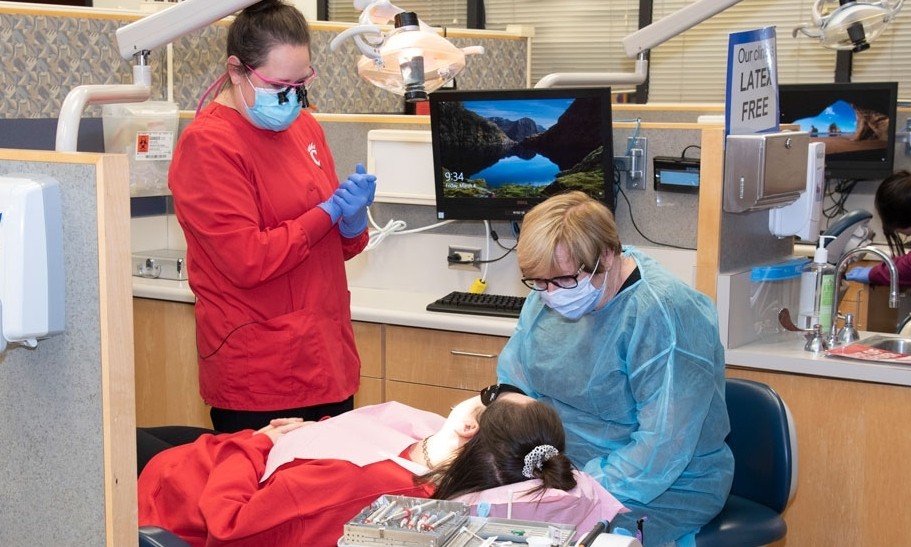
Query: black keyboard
(497, 305)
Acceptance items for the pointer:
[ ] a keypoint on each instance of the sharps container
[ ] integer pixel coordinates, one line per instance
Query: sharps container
(146, 132)
(773, 287)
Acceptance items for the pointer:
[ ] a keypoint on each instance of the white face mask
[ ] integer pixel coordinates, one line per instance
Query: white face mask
(578, 301)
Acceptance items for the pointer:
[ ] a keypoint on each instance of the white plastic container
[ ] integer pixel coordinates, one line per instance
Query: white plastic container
(146, 132)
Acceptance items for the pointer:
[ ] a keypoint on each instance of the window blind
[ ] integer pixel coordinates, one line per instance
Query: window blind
(586, 35)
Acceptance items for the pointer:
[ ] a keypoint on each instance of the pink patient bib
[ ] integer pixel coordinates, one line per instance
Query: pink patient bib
(362, 436)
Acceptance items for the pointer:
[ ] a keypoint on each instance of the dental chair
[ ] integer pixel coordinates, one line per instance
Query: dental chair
(764, 443)
(153, 536)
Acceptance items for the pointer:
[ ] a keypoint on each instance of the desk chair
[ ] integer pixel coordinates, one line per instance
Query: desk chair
(764, 443)
(153, 536)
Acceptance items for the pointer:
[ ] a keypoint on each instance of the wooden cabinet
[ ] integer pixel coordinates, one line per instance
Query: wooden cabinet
(434, 370)
(167, 382)
(854, 469)
(424, 368)
(369, 339)
(869, 304)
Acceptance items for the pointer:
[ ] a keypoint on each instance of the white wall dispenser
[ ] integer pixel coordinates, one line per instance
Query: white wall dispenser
(32, 285)
(802, 217)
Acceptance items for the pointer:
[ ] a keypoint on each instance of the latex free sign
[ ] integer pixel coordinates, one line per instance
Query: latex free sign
(751, 100)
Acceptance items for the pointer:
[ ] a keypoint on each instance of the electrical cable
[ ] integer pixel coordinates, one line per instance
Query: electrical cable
(633, 220)
(838, 194)
(486, 263)
(683, 154)
(394, 227)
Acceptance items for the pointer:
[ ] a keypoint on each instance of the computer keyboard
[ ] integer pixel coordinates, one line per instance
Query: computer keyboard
(497, 305)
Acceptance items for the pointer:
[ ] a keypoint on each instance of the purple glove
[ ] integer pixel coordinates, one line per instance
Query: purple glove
(861, 274)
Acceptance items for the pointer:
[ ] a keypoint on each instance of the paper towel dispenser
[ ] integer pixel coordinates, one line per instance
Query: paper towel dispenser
(31, 259)
(764, 170)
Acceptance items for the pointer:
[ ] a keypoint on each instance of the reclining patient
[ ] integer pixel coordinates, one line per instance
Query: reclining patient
(298, 483)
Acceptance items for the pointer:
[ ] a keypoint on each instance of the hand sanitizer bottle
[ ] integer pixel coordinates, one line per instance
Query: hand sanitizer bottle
(817, 290)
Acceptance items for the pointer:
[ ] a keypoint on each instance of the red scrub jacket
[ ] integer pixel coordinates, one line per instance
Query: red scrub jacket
(208, 493)
(265, 263)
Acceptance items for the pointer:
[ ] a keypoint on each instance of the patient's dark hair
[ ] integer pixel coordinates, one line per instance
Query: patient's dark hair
(508, 430)
(893, 204)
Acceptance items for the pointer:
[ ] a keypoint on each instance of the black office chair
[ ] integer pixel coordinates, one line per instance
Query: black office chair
(764, 444)
(153, 536)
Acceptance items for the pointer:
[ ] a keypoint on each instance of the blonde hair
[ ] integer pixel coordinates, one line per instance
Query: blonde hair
(582, 225)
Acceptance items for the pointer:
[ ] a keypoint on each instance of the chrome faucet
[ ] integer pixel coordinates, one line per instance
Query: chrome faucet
(842, 263)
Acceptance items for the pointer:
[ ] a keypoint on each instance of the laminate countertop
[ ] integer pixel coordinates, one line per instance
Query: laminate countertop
(784, 353)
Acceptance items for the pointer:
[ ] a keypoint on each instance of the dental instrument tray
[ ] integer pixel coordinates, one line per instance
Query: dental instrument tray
(402, 521)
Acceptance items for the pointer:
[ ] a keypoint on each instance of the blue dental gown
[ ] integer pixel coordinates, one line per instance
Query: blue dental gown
(640, 386)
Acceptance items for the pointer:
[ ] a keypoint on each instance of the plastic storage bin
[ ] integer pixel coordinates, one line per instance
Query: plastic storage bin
(146, 132)
(773, 287)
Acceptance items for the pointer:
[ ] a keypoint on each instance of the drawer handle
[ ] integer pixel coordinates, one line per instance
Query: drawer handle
(473, 354)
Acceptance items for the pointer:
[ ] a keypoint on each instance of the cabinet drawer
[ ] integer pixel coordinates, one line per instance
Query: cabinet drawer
(431, 398)
(441, 358)
(369, 339)
(370, 392)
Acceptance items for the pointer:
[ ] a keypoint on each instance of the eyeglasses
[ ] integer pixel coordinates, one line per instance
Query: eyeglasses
(490, 393)
(300, 88)
(562, 281)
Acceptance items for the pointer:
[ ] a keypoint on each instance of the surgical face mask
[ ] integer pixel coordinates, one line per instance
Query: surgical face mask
(268, 112)
(576, 302)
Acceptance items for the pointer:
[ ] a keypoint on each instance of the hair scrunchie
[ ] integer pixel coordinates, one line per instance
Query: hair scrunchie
(536, 458)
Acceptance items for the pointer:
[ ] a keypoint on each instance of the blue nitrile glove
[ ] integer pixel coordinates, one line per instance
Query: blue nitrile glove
(356, 194)
(332, 208)
(861, 274)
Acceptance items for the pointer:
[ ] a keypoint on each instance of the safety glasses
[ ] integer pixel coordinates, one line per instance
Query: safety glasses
(490, 393)
(300, 88)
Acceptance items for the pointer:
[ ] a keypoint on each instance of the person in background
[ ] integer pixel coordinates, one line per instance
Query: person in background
(893, 205)
(297, 483)
(631, 358)
(268, 229)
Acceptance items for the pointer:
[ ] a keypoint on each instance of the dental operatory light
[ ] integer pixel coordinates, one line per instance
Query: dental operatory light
(845, 25)
(411, 60)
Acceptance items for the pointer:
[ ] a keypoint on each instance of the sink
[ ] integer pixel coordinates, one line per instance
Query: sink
(888, 343)
(885, 349)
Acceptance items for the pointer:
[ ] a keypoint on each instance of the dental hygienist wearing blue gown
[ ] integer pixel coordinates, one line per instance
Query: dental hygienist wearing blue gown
(631, 358)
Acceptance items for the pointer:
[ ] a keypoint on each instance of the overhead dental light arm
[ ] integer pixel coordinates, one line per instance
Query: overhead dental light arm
(638, 43)
(135, 41)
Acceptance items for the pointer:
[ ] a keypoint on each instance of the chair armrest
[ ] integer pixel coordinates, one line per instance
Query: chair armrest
(153, 536)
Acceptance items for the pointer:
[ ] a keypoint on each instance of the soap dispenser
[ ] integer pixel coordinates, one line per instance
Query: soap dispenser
(817, 290)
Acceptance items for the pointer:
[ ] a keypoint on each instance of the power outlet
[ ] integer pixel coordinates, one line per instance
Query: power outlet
(469, 257)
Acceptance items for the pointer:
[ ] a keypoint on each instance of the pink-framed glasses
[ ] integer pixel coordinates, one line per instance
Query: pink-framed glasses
(300, 88)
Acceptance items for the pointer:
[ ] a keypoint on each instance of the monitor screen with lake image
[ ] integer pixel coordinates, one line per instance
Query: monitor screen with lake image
(498, 153)
(856, 121)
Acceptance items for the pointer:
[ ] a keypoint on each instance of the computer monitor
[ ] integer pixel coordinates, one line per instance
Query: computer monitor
(496, 154)
(856, 121)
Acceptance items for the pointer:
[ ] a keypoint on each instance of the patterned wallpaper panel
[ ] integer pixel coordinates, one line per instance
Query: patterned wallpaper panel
(42, 57)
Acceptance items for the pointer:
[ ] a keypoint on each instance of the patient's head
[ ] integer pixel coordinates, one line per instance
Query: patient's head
(517, 438)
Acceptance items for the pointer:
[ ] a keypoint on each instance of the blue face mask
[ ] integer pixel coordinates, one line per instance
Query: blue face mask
(576, 302)
(268, 113)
